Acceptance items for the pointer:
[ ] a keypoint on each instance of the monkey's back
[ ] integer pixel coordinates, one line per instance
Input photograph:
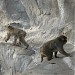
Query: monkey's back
(16, 31)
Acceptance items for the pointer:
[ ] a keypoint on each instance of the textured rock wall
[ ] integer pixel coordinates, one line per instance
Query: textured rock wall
(15, 10)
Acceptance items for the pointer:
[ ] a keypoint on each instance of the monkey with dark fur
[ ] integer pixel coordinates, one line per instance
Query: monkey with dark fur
(54, 45)
(18, 34)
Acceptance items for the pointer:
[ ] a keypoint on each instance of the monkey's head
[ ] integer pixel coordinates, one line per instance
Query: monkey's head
(10, 27)
(63, 39)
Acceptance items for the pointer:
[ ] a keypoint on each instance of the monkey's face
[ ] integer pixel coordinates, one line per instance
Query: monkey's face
(10, 27)
(63, 39)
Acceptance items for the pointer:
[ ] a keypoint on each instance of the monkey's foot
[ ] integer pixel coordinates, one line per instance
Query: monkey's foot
(27, 46)
(14, 44)
(57, 57)
(5, 40)
(18, 44)
(41, 60)
(49, 59)
(52, 63)
(69, 55)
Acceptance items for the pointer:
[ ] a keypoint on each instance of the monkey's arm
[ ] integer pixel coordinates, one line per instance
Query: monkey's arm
(7, 37)
(61, 50)
(22, 40)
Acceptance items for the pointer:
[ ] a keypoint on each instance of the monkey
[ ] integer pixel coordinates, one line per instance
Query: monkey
(18, 35)
(54, 45)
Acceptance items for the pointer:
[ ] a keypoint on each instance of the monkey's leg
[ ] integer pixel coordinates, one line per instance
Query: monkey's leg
(23, 41)
(56, 54)
(26, 44)
(49, 57)
(42, 55)
(41, 58)
(15, 40)
(8, 37)
(19, 43)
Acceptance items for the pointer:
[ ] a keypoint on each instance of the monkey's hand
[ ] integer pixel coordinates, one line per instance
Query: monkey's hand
(70, 55)
(5, 39)
(27, 46)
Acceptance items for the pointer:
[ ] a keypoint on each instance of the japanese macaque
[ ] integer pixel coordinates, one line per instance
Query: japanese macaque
(18, 35)
(54, 45)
